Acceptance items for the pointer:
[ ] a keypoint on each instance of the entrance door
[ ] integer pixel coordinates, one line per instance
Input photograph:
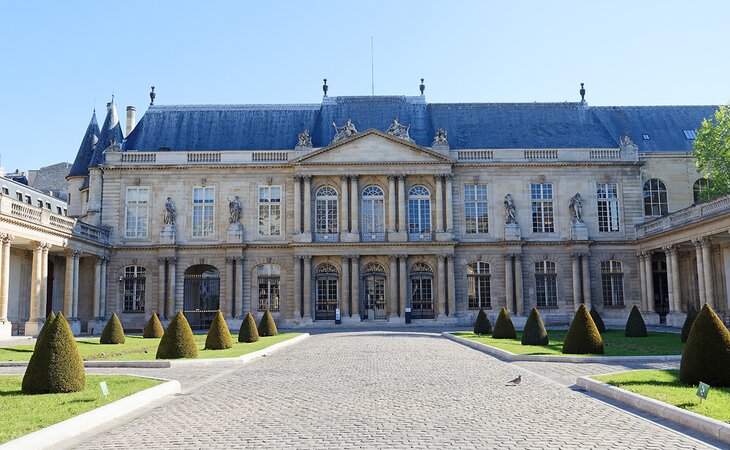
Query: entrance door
(422, 292)
(661, 295)
(325, 305)
(374, 301)
(201, 296)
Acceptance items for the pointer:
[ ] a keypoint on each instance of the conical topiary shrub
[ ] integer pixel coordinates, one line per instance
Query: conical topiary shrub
(706, 355)
(503, 327)
(248, 332)
(534, 332)
(51, 317)
(597, 320)
(267, 326)
(153, 328)
(113, 332)
(635, 326)
(583, 336)
(219, 337)
(691, 316)
(178, 340)
(56, 366)
(482, 325)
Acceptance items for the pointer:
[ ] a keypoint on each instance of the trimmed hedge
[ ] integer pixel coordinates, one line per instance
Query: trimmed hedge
(534, 332)
(56, 365)
(503, 327)
(51, 317)
(583, 336)
(248, 332)
(178, 340)
(691, 316)
(267, 326)
(635, 326)
(219, 337)
(706, 355)
(153, 328)
(113, 332)
(482, 325)
(597, 320)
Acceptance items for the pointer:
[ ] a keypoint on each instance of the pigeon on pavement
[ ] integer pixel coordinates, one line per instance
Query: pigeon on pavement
(516, 381)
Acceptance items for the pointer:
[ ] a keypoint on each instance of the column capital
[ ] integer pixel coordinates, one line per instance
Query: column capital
(172, 260)
(438, 177)
(307, 258)
(448, 177)
(401, 177)
(700, 241)
(355, 258)
(76, 254)
(393, 258)
(669, 249)
(98, 260)
(105, 260)
(402, 256)
(442, 257)
(392, 178)
(6, 238)
(161, 260)
(36, 246)
(307, 178)
(345, 177)
(239, 259)
(575, 256)
(230, 259)
(508, 256)
(346, 258)
(297, 259)
(298, 178)
(354, 178)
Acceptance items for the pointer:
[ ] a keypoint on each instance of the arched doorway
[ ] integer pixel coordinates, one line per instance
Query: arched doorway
(422, 291)
(325, 305)
(373, 292)
(201, 295)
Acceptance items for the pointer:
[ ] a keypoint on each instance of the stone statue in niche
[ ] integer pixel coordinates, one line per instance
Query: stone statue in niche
(398, 130)
(576, 208)
(440, 138)
(234, 209)
(510, 211)
(169, 214)
(305, 140)
(345, 131)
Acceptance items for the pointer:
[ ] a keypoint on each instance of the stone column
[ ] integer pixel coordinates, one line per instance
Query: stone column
(229, 299)
(355, 279)
(700, 270)
(297, 204)
(402, 225)
(575, 257)
(344, 204)
(674, 256)
(441, 293)
(75, 313)
(308, 204)
(44, 282)
(439, 207)
(391, 204)
(707, 270)
(355, 206)
(97, 287)
(403, 282)
(651, 307)
(307, 291)
(394, 311)
(449, 205)
(508, 284)
(642, 280)
(586, 281)
(35, 280)
(5, 277)
(670, 278)
(161, 284)
(102, 302)
(297, 287)
(68, 286)
(451, 287)
(519, 301)
(172, 303)
(239, 307)
(345, 297)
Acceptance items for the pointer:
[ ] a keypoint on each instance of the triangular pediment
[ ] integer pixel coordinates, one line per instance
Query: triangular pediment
(373, 146)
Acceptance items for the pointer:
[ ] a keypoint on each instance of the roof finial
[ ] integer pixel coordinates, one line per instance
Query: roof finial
(422, 87)
(325, 87)
(152, 96)
(582, 94)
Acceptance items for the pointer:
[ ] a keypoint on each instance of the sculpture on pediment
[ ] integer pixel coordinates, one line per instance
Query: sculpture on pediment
(626, 141)
(398, 130)
(345, 131)
(576, 208)
(440, 138)
(234, 209)
(510, 211)
(169, 214)
(305, 140)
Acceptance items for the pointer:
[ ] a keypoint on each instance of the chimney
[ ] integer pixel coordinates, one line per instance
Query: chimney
(131, 112)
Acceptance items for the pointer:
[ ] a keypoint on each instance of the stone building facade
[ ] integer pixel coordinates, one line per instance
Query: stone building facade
(429, 212)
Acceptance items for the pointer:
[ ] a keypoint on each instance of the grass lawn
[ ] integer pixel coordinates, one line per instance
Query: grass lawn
(138, 348)
(21, 414)
(615, 343)
(664, 385)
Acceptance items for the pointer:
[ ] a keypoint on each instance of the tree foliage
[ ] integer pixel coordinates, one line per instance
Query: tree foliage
(598, 320)
(503, 327)
(267, 326)
(178, 340)
(635, 326)
(706, 355)
(583, 336)
(153, 328)
(712, 153)
(219, 337)
(691, 316)
(113, 332)
(248, 332)
(482, 325)
(534, 332)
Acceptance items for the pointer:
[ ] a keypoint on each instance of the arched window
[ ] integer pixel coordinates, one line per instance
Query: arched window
(268, 276)
(422, 291)
(419, 214)
(612, 280)
(374, 291)
(546, 284)
(134, 287)
(700, 190)
(655, 198)
(327, 278)
(373, 214)
(326, 214)
(478, 284)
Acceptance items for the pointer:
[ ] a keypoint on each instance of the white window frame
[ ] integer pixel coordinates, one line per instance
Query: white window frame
(543, 205)
(612, 283)
(326, 210)
(206, 206)
(265, 225)
(607, 197)
(137, 205)
(134, 277)
(270, 276)
(477, 202)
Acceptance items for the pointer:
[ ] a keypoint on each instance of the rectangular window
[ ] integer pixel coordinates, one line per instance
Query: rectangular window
(134, 288)
(542, 208)
(475, 208)
(612, 280)
(268, 281)
(28, 200)
(59, 210)
(6, 191)
(40, 203)
(19, 196)
(136, 212)
(48, 205)
(203, 207)
(607, 195)
(270, 210)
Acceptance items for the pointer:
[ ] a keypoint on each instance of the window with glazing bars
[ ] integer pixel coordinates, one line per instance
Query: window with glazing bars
(136, 212)
(419, 210)
(270, 210)
(612, 280)
(326, 210)
(475, 208)
(268, 281)
(546, 284)
(134, 288)
(478, 285)
(607, 195)
(655, 198)
(203, 210)
(542, 208)
(373, 213)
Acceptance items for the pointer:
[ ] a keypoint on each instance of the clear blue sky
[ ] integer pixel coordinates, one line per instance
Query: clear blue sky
(60, 59)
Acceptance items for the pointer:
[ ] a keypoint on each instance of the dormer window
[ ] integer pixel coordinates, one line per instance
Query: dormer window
(646, 137)
(690, 134)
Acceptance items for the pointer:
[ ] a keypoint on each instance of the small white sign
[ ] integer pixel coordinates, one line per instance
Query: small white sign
(104, 388)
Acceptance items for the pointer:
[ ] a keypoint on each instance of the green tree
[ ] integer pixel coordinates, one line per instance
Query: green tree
(482, 325)
(248, 331)
(219, 337)
(113, 332)
(534, 332)
(503, 327)
(583, 336)
(267, 326)
(153, 328)
(706, 355)
(51, 317)
(712, 152)
(178, 340)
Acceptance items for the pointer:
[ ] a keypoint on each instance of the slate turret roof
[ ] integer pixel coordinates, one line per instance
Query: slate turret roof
(80, 167)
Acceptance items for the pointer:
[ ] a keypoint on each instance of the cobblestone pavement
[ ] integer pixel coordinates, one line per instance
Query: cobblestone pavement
(380, 389)
(566, 374)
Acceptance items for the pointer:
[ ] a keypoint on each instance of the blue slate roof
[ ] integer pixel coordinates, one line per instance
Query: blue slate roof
(469, 125)
(80, 166)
